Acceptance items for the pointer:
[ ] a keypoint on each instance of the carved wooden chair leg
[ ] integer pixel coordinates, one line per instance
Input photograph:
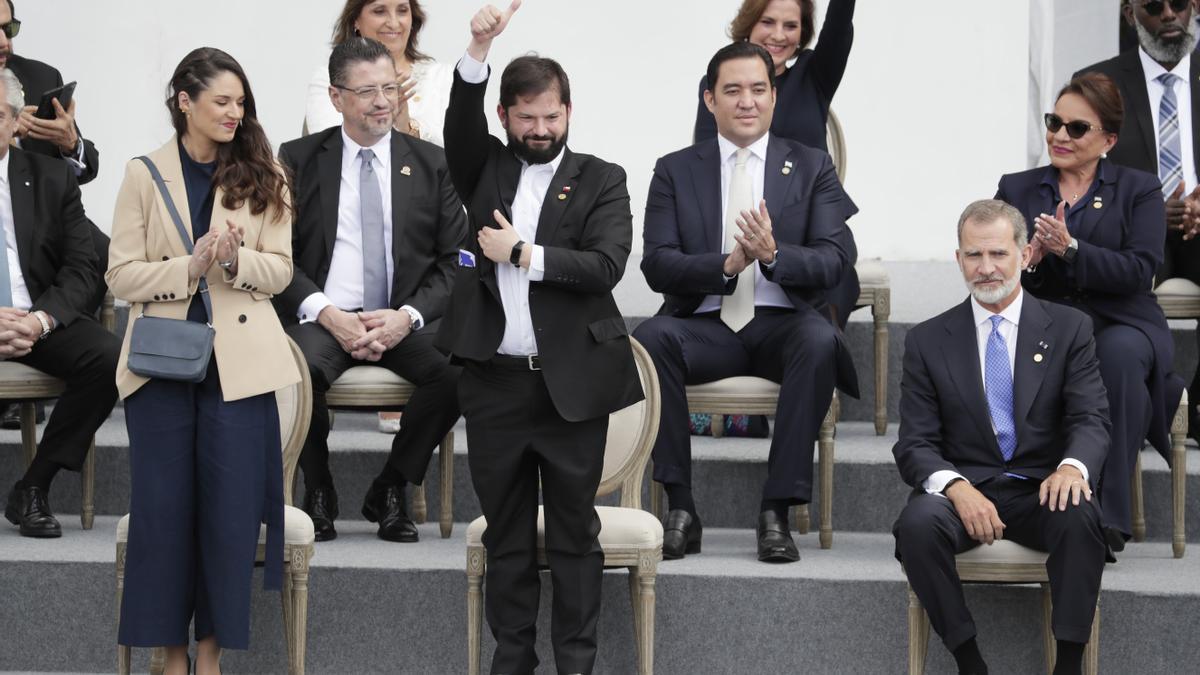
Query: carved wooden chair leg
(1139, 511)
(87, 514)
(123, 652)
(1049, 648)
(446, 511)
(918, 635)
(635, 602)
(644, 603)
(476, 565)
(298, 643)
(880, 311)
(286, 601)
(825, 466)
(1179, 429)
(803, 519)
(158, 661)
(419, 508)
(1091, 653)
(29, 430)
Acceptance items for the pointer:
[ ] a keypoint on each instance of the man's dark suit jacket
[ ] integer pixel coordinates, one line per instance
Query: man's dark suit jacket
(1060, 405)
(428, 225)
(808, 208)
(582, 340)
(37, 78)
(1119, 250)
(53, 236)
(1135, 146)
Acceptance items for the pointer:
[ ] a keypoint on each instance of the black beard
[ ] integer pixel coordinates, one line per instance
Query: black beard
(532, 155)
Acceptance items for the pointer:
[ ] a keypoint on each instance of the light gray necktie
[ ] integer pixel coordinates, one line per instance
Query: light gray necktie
(375, 286)
(738, 309)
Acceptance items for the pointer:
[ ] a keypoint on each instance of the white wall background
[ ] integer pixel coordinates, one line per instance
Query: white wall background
(935, 103)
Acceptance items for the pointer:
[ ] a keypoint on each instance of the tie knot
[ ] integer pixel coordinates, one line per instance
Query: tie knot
(368, 155)
(1168, 80)
(996, 320)
(742, 155)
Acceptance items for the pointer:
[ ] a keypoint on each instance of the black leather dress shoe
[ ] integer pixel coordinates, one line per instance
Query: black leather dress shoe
(775, 543)
(1114, 539)
(681, 534)
(321, 504)
(29, 509)
(386, 507)
(11, 418)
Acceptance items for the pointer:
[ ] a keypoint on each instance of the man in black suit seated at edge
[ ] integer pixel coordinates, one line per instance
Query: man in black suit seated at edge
(47, 278)
(1161, 132)
(546, 355)
(744, 235)
(59, 138)
(1003, 431)
(377, 231)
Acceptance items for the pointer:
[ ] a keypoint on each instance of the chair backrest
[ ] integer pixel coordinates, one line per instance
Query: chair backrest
(631, 435)
(295, 414)
(835, 138)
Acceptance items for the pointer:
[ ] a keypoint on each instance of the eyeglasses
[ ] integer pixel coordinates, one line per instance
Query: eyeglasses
(367, 94)
(11, 28)
(1076, 129)
(1155, 7)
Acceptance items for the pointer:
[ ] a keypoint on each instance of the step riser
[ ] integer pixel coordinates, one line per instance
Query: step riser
(867, 497)
(414, 622)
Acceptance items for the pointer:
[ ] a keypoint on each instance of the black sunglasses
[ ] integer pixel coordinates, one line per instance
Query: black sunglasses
(1155, 7)
(1076, 129)
(11, 28)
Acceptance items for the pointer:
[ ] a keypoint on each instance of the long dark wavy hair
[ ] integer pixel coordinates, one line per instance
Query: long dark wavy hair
(246, 168)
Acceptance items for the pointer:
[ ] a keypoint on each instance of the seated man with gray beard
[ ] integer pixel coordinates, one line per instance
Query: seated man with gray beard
(1003, 430)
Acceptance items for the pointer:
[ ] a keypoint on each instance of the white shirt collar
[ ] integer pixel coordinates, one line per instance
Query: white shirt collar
(1153, 69)
(728, 148)
(382, 149)
(551, 166)
(1011, 314)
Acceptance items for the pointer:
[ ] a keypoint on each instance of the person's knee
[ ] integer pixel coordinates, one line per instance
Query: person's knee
(1123, 350)
(816, 340)
(656, 335)
(917, 525)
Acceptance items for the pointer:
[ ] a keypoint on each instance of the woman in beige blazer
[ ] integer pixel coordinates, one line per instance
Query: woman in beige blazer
(205, 457)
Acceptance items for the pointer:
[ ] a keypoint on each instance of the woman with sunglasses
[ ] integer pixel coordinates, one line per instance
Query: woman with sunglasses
(425, 83)
(805, 89)
(206, 469)
(1097, 238)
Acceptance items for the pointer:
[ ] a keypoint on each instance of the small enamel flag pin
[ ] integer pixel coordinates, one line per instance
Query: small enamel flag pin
(565, 191)
(406, 170)
(1043, 345)
(466, 258)
(787, 167)
(1097, 203)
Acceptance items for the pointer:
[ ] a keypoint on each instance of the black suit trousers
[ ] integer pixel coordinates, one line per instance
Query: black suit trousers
(515, 435)
(797, 349)
(429, 415)
(84, 355)
(929, 533)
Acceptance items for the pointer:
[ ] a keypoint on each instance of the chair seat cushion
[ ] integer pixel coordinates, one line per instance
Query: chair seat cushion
(619, 527)
(24, 381)
(297, 528)
(872, 274)
(368, 376)
(1178, 287)
(743, 385)
(1003, 552)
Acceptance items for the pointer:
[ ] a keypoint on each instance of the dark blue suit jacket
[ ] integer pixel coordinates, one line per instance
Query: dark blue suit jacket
(1059, 402)
(1120, 247)
(682, 237)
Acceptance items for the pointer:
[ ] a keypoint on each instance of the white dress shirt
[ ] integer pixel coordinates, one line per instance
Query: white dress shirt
(1183, 103)
(20, 292)
(427, 107)
(344, 285)
(766, 293)
(513, 281)
(938, 480)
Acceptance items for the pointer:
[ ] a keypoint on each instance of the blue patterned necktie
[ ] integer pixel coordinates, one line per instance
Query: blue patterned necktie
(375, 286)
(997, 382)
(1170, 163)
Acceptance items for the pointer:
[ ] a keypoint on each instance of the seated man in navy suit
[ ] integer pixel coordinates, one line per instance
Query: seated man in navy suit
(1003, 431)
(744, 235)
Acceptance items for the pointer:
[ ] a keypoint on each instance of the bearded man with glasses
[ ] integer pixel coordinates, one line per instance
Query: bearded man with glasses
(377, 231)
(1161, 133)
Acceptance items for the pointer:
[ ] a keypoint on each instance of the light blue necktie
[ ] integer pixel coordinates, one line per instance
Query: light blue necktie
(6, 299)
(1170, 163)
(375, 286)
(997, 382)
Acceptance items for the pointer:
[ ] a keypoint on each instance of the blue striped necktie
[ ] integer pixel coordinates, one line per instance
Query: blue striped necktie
(998, 384)
(1170, 164)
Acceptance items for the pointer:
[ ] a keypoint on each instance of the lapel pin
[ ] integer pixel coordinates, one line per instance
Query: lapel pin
(1043, 345)
(406, 170)
(565, 191)
(1037, 358)
(562, 197)
(787, 167)
(26, 183)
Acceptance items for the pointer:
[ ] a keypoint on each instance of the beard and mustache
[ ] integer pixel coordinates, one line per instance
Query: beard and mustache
(1168, 50)
(532, 155)
(992, 296)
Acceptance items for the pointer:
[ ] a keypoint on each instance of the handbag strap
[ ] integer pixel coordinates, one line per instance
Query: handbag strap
(202, 286)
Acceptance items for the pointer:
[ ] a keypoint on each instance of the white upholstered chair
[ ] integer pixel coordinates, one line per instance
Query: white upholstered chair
(295, 413)
(630, 537)
(746, 395)
(375, 388)
(29, 386)
(1004, 562)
